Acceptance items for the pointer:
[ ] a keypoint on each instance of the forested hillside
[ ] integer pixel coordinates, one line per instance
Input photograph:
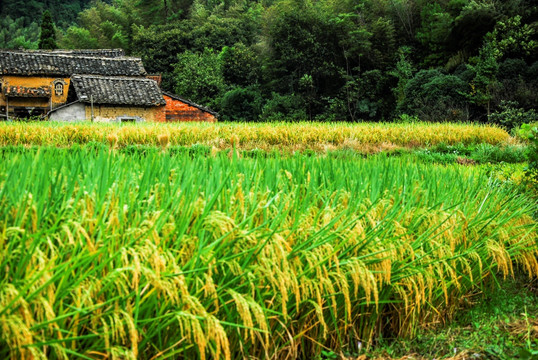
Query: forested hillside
(326, 59)
(20, 19)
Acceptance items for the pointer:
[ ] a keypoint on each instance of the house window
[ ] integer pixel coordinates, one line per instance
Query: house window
(59, 89)
(129, 119)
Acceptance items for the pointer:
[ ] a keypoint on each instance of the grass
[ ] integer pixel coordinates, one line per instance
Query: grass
(108, 254)
(474, 154)
(364, 138)
(498, 323)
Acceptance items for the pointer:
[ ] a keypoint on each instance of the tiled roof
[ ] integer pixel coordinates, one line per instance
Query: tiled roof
(118, 90)
(57, 64)
(22, 91)
(109, 53)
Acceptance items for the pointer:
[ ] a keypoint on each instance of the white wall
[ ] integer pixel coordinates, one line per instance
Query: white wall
(69, 113)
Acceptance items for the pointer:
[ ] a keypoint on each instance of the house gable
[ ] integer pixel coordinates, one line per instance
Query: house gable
(178, 109)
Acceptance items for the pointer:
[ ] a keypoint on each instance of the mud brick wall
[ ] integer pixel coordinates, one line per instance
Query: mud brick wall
(177, 111)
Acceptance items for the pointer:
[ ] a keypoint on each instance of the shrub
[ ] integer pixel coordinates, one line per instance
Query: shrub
(407, 119)
(241, 104)
(531, 132)
(512, 69)
(280, 107)
(434, 96)
(511, 116)
(486, 153)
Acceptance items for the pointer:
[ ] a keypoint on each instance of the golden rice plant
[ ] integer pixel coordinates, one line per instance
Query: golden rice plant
(109, 255)
(363, 137)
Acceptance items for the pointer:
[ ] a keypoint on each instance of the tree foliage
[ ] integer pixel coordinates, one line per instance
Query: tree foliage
(47, 36)
(435, 96)
(304, 59)
(14, 35)
(198, 76)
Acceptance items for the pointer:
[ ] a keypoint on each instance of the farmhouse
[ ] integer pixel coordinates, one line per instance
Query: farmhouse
(97, 85)
(104, 98)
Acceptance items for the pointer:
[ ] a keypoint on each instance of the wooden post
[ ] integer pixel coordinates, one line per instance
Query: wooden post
(7, 108)
(91, 102)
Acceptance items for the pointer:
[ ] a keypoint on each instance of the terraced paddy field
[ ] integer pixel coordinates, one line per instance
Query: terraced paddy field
(108, 254)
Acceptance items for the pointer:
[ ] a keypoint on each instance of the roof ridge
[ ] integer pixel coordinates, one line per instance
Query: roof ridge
(23, 63)
(71, 56)
(118, 77)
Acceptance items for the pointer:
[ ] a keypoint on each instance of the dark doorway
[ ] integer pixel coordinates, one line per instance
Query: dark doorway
(28, 112)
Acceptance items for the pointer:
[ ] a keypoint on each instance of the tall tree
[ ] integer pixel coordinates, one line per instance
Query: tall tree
(199, 77)
(301, 54)
(47, 38)
(509, 37)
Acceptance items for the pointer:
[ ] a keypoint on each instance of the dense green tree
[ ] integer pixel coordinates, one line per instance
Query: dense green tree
(14, 35)
(79, 38)
(512, 38)
(153, 12)
(47, 37)
(241, 104)
(108, 25)
(29, 11)
(434, 96)
(485, 80)
(198, 77)
(518, 84)
(508, 37)
(312, 59)
(159, 45)
(437, 23)
(405, 14)
(240, 65)
(300, 41)
(284, 107)
(475, 20)
(403, 72)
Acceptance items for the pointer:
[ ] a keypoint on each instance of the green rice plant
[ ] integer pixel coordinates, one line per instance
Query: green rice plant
(530, 132)
(437, 157)
(106, 254)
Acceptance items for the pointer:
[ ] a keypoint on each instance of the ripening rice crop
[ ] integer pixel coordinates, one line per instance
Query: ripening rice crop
(105, 255)
(364, 137)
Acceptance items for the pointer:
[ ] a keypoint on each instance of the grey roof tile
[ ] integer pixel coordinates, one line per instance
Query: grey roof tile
(117, 90)
(32, 63)
(109, 53)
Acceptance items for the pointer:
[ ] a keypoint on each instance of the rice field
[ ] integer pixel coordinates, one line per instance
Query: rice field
(106, 255)
(363, 137)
